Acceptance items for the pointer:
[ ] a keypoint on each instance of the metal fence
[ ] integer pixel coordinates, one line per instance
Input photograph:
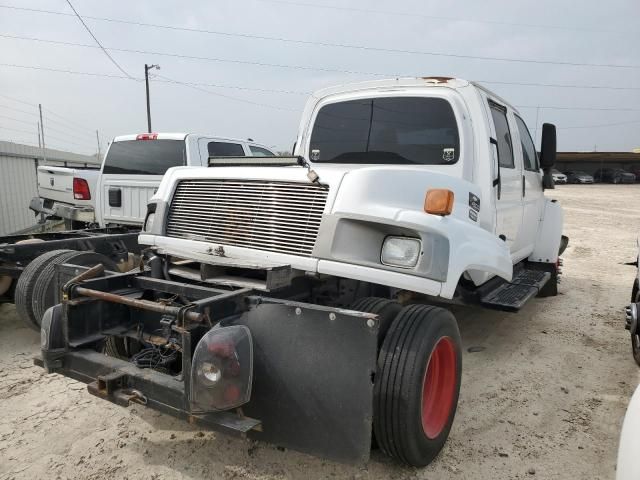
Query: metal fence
(19, 183)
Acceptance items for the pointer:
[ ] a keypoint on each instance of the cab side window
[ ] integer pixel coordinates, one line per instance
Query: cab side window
(529, 155)
(503, 135)
(225, 149)
(260, 152)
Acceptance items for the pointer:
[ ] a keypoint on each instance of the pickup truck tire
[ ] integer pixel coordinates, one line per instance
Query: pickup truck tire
(26, 285)
(386, 310)
(417, 384)
(44, 295)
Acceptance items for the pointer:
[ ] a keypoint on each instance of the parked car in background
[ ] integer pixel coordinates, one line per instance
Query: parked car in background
(636, 172)
(577, 176)
(558, 177)
(613, 175)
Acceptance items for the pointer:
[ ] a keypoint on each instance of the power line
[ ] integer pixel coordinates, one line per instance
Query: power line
(64, 140)
(195, 87)
(597, 109)
(299, 92)
(199, 58)
(433, 17)
(334, 45)
(556, 85)
(98, 41)
(601, 126)
(46, 117)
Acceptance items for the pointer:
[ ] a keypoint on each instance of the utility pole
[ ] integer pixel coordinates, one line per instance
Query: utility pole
(39, 142)
(98, 139)
(44, 149)
(146, 81)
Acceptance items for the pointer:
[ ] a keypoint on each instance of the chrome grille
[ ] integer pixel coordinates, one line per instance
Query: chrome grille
(266, 215)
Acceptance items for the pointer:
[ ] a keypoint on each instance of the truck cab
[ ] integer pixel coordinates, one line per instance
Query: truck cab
(378, 150)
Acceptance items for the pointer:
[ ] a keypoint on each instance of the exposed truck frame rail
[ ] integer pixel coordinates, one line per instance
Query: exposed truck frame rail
(17, 251)
(282, 329)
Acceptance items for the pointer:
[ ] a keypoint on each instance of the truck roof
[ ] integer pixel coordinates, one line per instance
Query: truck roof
(404, 82)
(181, 136)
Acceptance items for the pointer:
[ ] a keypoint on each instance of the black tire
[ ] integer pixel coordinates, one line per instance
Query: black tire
(26, 285)
(45, 294)
(121, 347)
(417, 384)
(386, 310)
(635, 338)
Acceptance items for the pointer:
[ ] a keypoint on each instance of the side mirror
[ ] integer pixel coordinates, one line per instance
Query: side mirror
(548, 146)
(548, 154)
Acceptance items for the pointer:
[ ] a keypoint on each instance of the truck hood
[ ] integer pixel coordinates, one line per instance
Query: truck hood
(412, 180)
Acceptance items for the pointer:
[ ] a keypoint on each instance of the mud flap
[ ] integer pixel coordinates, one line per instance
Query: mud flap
(313, 377)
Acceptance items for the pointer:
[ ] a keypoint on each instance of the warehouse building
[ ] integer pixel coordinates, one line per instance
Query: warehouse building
(19, 184)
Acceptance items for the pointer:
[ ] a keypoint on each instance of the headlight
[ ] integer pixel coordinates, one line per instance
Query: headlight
(400, 252)
(222, 369)
(148, 224)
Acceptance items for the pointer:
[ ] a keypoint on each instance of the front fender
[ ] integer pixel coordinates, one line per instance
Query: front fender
(471, 248)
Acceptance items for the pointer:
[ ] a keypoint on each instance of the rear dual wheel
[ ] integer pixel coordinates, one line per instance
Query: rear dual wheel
(36, 287)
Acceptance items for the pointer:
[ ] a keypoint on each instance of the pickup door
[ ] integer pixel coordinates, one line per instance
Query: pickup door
(56, 183)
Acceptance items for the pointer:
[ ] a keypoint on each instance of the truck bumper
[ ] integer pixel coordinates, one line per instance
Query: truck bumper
(62, 210)
(313, 366)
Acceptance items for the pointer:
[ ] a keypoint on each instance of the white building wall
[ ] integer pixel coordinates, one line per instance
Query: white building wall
(18, 185)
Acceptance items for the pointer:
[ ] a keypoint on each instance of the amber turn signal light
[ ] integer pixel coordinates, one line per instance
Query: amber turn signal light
(439, 201)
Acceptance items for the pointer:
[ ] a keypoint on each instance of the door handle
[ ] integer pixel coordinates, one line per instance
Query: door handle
(524, 184)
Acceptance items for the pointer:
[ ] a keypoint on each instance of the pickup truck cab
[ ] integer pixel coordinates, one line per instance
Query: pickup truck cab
(134, 165)
(310, 290)
(118, 192)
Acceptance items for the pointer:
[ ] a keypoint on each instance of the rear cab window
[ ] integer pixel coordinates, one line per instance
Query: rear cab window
(144, 157)
(393, 130)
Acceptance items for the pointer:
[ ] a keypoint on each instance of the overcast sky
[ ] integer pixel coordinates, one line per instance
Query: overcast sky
(548, 30)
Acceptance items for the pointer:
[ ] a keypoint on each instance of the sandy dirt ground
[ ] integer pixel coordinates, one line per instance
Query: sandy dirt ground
(543, 398)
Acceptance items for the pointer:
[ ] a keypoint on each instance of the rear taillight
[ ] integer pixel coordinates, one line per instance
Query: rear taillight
(81, 189)
(222, 369)
(147, 136)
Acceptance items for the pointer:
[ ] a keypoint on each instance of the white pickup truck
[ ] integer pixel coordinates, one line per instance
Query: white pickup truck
(118, 192)
(67, 193)
(300, 299)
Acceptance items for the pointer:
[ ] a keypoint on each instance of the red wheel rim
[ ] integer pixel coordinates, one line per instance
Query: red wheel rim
(438, 387)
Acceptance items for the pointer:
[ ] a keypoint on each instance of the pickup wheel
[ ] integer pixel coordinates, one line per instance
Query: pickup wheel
(386, 310)
(45, 294)
(417, 384)
(27, 283)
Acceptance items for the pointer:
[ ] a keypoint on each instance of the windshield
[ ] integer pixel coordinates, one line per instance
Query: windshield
(395, 130)
(144, 157)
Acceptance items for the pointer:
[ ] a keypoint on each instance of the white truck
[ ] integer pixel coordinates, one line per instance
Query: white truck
(66, 193)
(118, 192)
(299, 300)
(112, 201)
